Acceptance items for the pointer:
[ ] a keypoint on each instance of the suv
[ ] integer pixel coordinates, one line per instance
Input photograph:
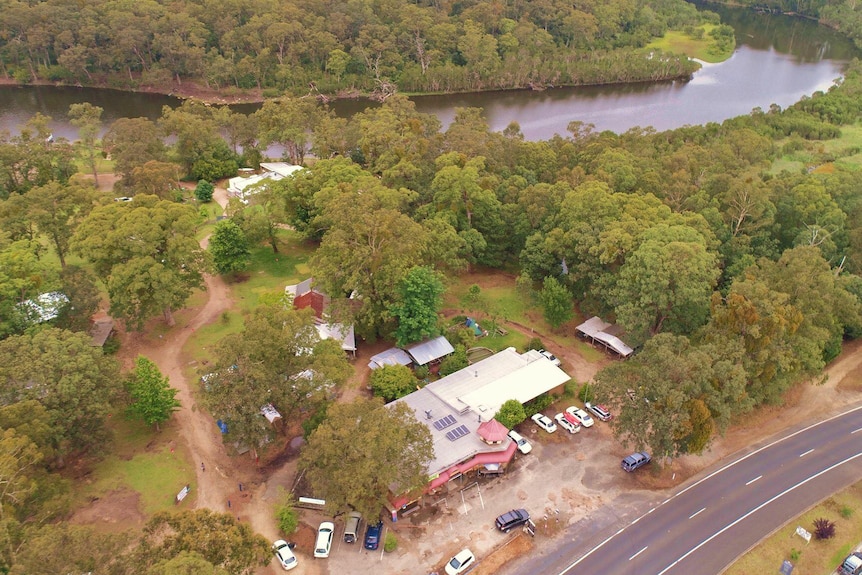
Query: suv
(567, 422)
(544, 422)
(582, 416)
(512, 519)
(351, 527)
(324, 539)
(523, 445)
(600, 411)
(635, 460)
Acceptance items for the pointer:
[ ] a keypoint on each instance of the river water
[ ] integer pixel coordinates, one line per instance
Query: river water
(778, 60)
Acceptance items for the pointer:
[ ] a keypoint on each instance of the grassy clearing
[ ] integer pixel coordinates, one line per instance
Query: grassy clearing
(268, 274)
(704, 48)
(817, 557)
(143, 461)
(824, 155)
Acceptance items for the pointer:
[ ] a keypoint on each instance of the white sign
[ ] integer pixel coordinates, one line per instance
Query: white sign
(183, 492)
(804, 534)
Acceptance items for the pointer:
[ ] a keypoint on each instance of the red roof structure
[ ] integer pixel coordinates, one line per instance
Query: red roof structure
(312, 299)
(492, 431)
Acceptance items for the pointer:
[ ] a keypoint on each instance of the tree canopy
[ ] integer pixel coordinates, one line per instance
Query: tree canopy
(362, 450)
(147, 254)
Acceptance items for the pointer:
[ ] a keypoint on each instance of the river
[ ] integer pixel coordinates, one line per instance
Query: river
(778, 60)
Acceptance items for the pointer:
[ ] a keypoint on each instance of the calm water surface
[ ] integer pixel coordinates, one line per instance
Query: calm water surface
(778, 60)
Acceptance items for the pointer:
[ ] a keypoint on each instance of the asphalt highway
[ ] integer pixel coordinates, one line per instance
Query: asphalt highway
(706, 525)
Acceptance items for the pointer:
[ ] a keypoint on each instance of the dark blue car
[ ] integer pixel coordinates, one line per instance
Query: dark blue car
(372, 535)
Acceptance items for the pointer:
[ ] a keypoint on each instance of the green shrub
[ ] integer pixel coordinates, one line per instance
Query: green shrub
(536, 344)
(795, 554)
(422, 372)
(286, 516)
(511, 413)
(390, 542)
(538, 404)
(112, 345)
(587, 393)
(846, 512)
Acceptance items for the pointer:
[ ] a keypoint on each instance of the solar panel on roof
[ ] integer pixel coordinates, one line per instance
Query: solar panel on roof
(444, 422)
(457, 433)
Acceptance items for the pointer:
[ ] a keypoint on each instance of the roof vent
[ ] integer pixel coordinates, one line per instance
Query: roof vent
(427, 414)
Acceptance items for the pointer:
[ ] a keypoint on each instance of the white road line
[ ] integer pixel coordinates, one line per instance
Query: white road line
(855, 430)
(696, 514)
(707, 477)
(638, 553)
(753, 480)
(806, 453)
(756, 509)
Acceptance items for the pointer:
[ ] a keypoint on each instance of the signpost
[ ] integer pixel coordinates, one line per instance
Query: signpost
(786, 568)
(182, 494)
(804, 534)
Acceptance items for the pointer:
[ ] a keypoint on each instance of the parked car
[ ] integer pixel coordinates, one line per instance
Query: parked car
(635, 461)
(600, 411)
(570, 425)
(351, 526)
(550, 356)
(582, 416)
(544, 422)
(284, 554)
(324, 539)
(460, 562)
(524, 446)
(372, 535)
(511, 519)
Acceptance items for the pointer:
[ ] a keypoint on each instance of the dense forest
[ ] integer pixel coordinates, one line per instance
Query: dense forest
(292, 47)
(735, 279)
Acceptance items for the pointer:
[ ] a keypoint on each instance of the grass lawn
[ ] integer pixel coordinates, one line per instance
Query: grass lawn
(268, 274)
(816, 557)
(500, 300)
(823, 155)
(703, 49)
(142, 461)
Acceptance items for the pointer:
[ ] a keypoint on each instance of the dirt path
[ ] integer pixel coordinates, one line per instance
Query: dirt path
(217, 482)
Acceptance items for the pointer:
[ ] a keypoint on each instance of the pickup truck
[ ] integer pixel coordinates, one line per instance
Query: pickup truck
(852, 565)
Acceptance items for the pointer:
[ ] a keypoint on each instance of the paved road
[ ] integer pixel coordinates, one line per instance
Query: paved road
(705, 526)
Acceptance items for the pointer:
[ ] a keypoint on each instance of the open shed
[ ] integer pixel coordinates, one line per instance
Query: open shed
(425, 352)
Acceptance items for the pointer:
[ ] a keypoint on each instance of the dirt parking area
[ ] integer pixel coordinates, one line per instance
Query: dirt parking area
(561, 482)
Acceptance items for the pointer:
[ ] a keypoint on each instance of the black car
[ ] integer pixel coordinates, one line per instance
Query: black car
(372, 535)
(512, 519)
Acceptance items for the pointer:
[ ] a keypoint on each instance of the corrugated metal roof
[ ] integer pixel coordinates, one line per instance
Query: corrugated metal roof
(427, 351)
(593, 326)
(614, 343)
(392, 356)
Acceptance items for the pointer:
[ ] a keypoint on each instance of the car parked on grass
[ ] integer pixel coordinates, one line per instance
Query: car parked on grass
(635, 461)
(553, 359)
(568, 423)
(524, 446)
(544, 422)
(582, 416)
(372, 535)
(511, 519)
(599, 411)
(460, 562)
(324, 539)
(284, 554)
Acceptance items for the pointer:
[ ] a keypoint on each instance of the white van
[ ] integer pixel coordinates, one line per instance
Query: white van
(351, 528)
(523, 445)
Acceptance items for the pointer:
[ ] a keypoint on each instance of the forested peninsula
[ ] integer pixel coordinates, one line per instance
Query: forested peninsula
(269, 48)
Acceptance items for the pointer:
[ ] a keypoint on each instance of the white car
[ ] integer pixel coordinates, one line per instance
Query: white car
(324, 539)
(523, 445)
(544, 422)
(600, 411)
(284, 554)
(553, 359)
(460, 562)
(582, 416)
(567, 424)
